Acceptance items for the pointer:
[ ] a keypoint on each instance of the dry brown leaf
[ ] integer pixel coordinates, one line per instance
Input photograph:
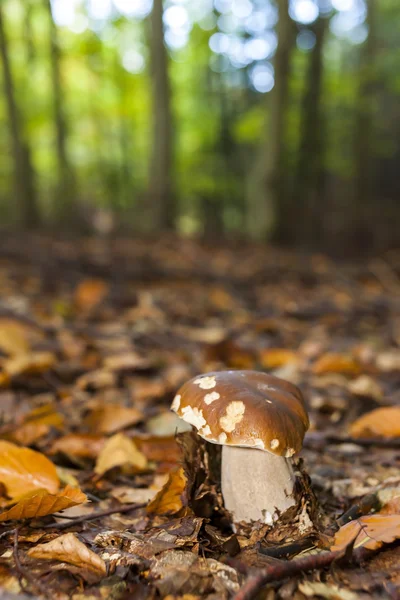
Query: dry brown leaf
(40, 503)
(37, 424)
(333, 362)
(128, 361)
(366, 386)
(89, 294)
(34, 362)
(381, 422)
(13, 337)
(79, 444)
(369, 531)
(120, 451)
(159, 449)
(172, 496)
(67, 548)
(274, 358)
(23, 470)
(392, 507)
(109, 418)
(97, 380)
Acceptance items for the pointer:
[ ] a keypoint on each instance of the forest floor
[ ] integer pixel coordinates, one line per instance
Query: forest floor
(95, 339)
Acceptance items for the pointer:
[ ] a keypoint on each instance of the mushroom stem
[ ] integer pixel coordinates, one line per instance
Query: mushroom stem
(256, 484)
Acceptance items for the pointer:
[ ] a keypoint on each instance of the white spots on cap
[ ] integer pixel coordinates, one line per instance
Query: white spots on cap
(205, 431)
(233, 416)
(194, 416)
(274, 444)
(206, 383)
(256, 443)
(211, 397)
(264, 386)
(176, 402)
(222, 438)
(290, 452)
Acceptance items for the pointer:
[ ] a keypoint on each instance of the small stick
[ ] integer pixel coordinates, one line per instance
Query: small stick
(95, 515)
(282, 570)
(22, 572)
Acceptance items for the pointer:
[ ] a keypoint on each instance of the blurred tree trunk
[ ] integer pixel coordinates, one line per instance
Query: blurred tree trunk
(267, 201)
(161, 162)
(24, 186)
(365, 175)
(65, 208)
(308, 185)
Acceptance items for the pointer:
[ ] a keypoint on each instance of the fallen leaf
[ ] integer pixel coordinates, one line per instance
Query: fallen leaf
(120, 451)
(366, 386)
(79, 445)
(333, 362)
(89, 294)
(13, 337)
(23, 470)
(330, 592)
(131, 361)
(172, 496)
(96, 380)
(40, 503)
(274, 358)
(369, 531)
(67, 548)
(35, 362)
(381, 422)
(389, 360)
(109, 418)
(37, 424)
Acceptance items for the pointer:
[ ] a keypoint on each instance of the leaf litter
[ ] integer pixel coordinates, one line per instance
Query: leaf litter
(88, 369)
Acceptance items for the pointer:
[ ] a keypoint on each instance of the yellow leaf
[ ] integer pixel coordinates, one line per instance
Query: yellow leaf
(172, 496)
(67, 548)
(40, 503)
(333, 362)
(13, 337)
(120, 451)
(381, 422)
(23, 470)
(369, 531)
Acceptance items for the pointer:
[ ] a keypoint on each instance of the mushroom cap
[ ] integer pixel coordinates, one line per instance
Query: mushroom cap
(245, 408)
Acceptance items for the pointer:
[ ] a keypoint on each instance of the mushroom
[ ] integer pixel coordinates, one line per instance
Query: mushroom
(260, 422)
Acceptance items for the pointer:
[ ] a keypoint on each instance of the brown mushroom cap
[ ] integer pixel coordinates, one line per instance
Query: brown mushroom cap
(245, 408)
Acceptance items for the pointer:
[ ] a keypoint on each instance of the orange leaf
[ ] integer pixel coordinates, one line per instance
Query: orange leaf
(381, 422)
(109, 418)
(40, 503)
(67, 548)
(90, 293)
(370, 531)
(273, 358)
(23, 470)
(172, 496)
(120, 451)
(336, 363)
(36, 424)
(79, 445)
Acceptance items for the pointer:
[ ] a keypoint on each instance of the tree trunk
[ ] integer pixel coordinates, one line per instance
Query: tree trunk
(65, 195)
(308, 186)
(267, 205)
(160, 176)
(24, 188)
(365, 177)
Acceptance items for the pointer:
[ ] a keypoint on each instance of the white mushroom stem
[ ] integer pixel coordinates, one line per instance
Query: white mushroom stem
(256, 484)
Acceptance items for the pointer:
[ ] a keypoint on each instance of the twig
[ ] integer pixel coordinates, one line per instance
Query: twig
(282, 570)
(22, 572)
(364, 506)
(93, 516)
